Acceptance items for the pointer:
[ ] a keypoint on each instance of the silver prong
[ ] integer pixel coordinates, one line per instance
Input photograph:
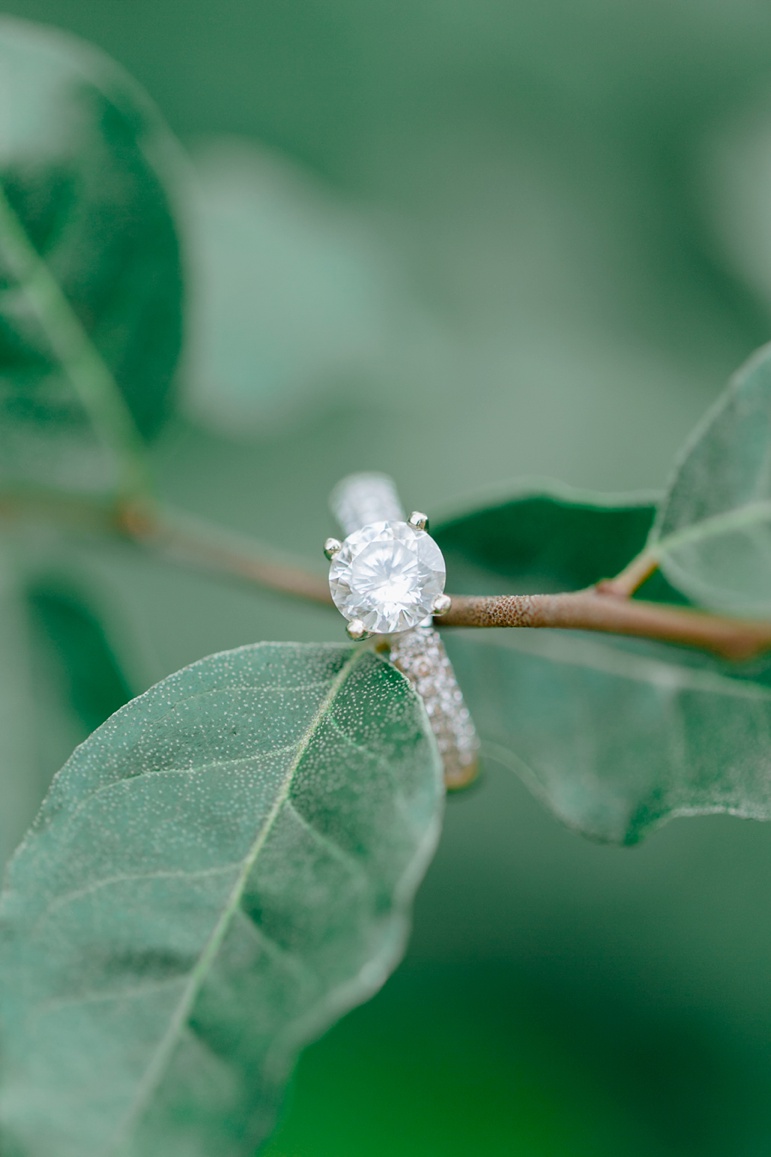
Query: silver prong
(357, 631)
(442, 604)
(418, 520)
(331, 547)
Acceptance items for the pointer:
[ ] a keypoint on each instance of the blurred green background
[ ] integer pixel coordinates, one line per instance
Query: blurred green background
(468, 242)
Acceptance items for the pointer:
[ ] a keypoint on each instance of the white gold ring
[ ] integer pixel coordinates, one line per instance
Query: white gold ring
(387, 579)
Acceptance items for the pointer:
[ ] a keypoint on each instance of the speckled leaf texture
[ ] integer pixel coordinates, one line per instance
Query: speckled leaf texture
(615, 735)
(218, 873)
(713, 534)
(85, 171)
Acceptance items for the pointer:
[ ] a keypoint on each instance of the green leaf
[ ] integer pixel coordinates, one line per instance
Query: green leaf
(90, 280)
(77, 679)
(60, 678)
(616, 736)
(75, 654)
(21, 786)
(713, 533)
(218, 873)
(549, 539)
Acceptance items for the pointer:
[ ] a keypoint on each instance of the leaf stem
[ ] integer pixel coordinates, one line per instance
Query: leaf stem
(632, 577)
(84, 366)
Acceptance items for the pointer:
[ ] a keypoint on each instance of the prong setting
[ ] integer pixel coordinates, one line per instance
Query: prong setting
(442, 604)
(357, 631)
(418, 520)
(387, 575)
(331, 547)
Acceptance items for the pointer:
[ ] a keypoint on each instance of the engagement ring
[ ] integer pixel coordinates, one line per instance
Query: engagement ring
(387, 578)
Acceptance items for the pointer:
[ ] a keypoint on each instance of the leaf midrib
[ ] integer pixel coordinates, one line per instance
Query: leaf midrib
(162, 1055)
(82, 363)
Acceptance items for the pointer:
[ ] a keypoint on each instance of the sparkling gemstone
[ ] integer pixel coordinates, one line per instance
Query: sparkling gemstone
(387, 575)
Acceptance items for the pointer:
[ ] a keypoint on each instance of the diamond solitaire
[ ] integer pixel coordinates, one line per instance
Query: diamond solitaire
(387, 577)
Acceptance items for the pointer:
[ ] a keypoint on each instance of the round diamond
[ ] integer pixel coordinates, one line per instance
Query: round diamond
(387, 575)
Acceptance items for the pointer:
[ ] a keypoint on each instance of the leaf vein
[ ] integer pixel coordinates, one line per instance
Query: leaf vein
(322, 840)
(128, 782)
(125, 878)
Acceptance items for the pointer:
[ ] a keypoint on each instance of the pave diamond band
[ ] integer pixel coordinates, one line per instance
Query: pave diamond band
(387, 578)
(363, 498)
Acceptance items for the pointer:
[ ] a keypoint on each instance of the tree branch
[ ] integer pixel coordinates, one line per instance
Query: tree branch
(185, 539)
(192, 542)
(593, 610)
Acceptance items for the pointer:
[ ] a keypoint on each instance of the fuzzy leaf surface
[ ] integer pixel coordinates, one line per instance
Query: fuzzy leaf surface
(713, 534)
(89, 258)
(219, 872)
(615, 735)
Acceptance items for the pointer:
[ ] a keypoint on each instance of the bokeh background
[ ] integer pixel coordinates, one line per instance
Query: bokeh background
(472, 242)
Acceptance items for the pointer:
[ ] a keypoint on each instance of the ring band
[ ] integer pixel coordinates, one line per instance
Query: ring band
(359, 501)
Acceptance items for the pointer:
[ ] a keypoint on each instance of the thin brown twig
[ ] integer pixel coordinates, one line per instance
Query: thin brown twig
(193, 542)
(173, 535)
(188, 540)
(30, 504)
(184, 539)
(730, 638)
